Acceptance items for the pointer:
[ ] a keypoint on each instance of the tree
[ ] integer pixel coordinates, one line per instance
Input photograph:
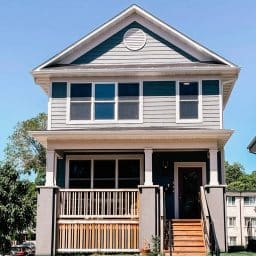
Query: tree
(24, 152)
(237, 179)
(17, 205)
(233, 172)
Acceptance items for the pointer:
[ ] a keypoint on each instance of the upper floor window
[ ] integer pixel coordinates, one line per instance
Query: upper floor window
(188, 102)
(231, 200)
(250, 221)
(249, 200)
(104, 101)
(232, 221)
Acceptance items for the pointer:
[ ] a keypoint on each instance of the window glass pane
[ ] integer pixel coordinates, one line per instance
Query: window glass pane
(188, 109)
(80, 111)
(81, 92)
(104, 174)
(104, 92)
(104, 184)
(128, 110)
(189, 88)
(104, 110)
(128, 183)
(128, 91)
(129, 168)
(79, 183)
(104, 169)
(79, 169)
(59, 90)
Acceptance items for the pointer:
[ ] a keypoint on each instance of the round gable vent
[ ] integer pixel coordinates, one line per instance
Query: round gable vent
(134, 39)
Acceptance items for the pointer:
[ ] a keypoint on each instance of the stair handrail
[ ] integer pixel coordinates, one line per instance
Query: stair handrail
(205, 217)
(208, 225)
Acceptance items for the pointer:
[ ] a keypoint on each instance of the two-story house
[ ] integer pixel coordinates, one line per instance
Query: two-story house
(135, 141)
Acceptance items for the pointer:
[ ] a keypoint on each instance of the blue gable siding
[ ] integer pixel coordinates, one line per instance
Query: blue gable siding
(159, 88)
(117, 39)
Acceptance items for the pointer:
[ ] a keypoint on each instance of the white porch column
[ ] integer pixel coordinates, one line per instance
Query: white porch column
(50, 168)
(148, 167)
(213, 167)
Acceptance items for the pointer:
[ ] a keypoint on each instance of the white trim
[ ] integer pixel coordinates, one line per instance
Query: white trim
(115, 157)
(140, 12)
(115, 101)
(200, 103)
(49, 115)
(177, 165)
(221, 103)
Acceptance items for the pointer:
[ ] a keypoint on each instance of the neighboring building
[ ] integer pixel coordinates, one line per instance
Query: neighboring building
(135, 130)
(241, 217)
(252, 146)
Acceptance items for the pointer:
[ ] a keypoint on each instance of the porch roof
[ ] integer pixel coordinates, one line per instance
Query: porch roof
(132, 138)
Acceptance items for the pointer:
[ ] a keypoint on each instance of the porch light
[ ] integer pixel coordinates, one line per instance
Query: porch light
(165, 164)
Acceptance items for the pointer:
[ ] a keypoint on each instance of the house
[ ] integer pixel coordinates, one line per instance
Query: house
(241, 217)
(252, 146)
(135, 132)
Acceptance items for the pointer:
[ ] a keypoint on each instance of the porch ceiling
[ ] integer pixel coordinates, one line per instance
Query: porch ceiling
(132, 139)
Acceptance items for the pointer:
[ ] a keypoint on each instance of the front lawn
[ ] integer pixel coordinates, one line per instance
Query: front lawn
(238, 254)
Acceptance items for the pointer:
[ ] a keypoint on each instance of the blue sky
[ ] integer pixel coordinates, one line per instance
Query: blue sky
(33, 31)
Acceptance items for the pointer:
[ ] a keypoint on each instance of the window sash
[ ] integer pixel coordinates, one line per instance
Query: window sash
(191, 96)
(249, 200)
(94, 180)
(231, 200)
(136, 98)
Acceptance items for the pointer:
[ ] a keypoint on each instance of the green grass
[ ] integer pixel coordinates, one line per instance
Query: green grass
(239, 254)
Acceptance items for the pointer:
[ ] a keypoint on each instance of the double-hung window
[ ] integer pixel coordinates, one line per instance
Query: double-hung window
(188, 102)
(80, 101)
(249, 200)
(104, 102)
(232, 221)
(128, 101)
(231, 200)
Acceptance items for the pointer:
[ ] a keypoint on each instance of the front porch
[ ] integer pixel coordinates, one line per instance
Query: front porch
(110, 196)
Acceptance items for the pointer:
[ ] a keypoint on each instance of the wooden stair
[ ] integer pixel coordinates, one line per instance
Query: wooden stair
(187, 238)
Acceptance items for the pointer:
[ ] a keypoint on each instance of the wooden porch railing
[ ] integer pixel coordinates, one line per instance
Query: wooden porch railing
(94, 220)
(91, 236)
(98, 203)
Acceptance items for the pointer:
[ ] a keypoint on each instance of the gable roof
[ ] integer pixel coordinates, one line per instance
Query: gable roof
(135, 13)
(197, 59)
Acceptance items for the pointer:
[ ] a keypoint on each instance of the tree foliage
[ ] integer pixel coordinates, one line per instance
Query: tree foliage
(17, 205)
(237, 179)
(24, 152)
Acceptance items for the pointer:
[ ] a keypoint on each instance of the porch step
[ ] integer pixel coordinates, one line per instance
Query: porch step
(188, 238)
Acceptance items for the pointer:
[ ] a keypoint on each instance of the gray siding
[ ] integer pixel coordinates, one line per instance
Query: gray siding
(158, 111)
(114, 51)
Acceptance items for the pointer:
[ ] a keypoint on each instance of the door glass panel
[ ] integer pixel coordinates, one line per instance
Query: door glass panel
(190, 180)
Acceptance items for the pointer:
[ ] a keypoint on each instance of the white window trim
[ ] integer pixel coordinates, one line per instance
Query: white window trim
(229, 204)
(177, 165)
(200, 105)
(232, 217)
(250, 204)
(104, 157)
(115, 101)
